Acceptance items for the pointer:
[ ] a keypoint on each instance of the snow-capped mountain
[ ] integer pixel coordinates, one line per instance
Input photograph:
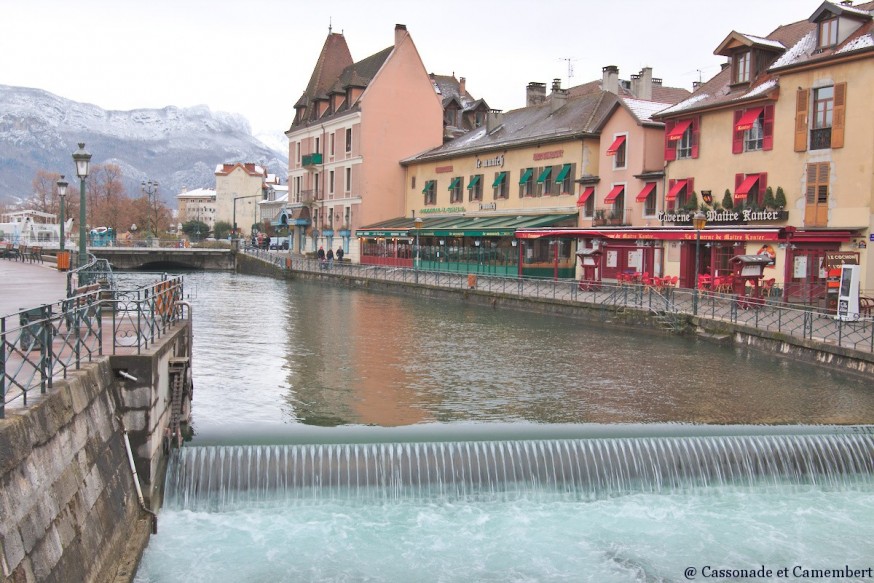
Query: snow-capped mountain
(178, 147)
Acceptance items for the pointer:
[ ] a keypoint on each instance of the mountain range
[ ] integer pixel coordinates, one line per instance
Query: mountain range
(177, 147)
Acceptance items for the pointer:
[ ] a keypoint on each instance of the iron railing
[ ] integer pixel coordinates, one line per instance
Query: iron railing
(44, 343)
(803, 322)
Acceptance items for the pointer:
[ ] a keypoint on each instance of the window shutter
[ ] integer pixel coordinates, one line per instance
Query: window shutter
(768, 128)
(763, 184)
(690, 186)
(738, 178)
(811, 183)
(670, 147)
(737, 142)
(696, 123)
(839, 115)
(801, 98)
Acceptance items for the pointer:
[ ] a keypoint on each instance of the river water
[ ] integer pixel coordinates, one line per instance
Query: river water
(273, 359)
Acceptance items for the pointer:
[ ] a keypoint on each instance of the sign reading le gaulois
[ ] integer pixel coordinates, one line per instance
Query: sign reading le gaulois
(722, 216)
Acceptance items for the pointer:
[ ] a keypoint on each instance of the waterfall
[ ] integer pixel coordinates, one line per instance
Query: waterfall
(233, 476)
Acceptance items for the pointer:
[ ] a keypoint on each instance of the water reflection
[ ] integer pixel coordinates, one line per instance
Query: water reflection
(274, 352)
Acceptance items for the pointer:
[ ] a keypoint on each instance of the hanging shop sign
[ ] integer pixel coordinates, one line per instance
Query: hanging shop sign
(834, 259)
(724, 216)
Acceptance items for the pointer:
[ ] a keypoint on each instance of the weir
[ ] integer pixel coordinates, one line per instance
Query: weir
(224, 477)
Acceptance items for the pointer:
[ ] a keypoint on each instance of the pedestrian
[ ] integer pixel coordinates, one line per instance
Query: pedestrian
(330, 258)
(321, 256)
(339, 253)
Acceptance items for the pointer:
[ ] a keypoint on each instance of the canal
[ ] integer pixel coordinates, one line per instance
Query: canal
(273, 359)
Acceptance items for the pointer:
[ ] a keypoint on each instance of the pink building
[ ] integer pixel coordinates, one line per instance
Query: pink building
(353, 123)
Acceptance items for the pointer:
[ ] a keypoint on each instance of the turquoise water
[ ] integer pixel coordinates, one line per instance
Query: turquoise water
(542, 538)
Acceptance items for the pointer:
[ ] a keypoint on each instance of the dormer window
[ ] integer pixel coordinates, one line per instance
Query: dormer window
(828, 33)
(742, 67)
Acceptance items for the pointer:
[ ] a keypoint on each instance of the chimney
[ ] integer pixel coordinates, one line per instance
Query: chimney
(400, 33)
(611, 79)
(535, 93)
(461, 86)
(641, 84)
(696, 85)
(494, 119)
(558, 97)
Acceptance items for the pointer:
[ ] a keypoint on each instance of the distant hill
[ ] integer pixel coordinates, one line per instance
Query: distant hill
(178, 147)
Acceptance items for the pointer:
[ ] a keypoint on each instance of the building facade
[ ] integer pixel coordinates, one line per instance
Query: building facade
(239, 187)
(196, 205)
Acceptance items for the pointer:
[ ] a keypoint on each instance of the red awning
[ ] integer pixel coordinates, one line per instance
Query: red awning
(663, 234)
(746, 120)
(679, 130)
(744, 189)
(675, 190)
(617, 190)
(641, 197)
(585, 195)
(615, 145)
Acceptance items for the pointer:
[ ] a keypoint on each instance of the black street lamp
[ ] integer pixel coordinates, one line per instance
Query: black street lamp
(699, 220)
(82, 159)
(62, 194)
(236, 198)
(150, 189)
(418, 224)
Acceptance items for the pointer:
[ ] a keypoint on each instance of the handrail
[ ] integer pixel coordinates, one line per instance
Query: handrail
(41, 344)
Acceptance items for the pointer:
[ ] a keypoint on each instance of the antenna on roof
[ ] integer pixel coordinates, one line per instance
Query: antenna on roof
(570, 68)
(329, 25)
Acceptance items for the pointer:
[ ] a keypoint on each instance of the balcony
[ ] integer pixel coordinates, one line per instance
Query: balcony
(308, 196)
(310, 160)
(821, 139)
(609, 217)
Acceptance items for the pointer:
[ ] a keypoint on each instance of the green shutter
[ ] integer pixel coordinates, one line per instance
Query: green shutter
(526, 176)
(473, 181)
(499, 179)
(427, 186)
(545, 174)
(563, 174)
(454, 182)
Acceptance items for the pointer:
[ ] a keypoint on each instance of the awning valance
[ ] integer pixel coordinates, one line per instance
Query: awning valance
(643, 194)
(461, 226)
(614, 147)
(748, 118)
(676, 189)
(584, 196)
(744, 189)
(614, 194)
(677, 132)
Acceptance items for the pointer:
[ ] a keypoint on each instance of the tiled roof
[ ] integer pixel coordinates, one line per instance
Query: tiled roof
(335, 57)
(800, 38)
(577, 117)
(447, 87)
(660, 93)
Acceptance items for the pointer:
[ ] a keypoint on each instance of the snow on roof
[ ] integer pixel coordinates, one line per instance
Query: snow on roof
(765, 41)
(686, 104)
(197, 193)
(763, 88)
(862, 42)
(847, 8)
(644, 110)
(802, 48)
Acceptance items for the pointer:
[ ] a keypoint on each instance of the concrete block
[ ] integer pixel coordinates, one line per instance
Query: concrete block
(46, 554)
(66, 485)
(135, 420)
(11, 551)
(92, 488)
(137, 397)
(15, 443)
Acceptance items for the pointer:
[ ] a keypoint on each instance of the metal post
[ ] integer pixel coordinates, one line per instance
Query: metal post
(82, 159)
(695, 281)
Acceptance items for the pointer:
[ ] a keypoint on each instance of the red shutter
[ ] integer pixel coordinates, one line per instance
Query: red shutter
(670, 146)
(738, 179)
(671, 204)
(737, 142)
(763, 184)
(768, 128)
(696, 127)
(690, 186)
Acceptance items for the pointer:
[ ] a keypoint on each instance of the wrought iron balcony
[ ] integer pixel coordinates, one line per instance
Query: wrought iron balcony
(821, 139)
(311, 160)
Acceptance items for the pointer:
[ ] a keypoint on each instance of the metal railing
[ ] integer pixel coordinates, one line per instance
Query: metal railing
(41, 344)
(671, 304)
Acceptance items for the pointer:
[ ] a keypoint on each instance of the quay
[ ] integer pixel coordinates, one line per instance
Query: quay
(95, 390)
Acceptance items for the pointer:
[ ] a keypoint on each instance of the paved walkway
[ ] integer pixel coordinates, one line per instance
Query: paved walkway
(28, 285)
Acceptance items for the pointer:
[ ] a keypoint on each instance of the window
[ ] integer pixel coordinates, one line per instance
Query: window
(565, 179)
(742, 67)
(589, 207)
(332, 144)
(751, 188)
(753, 136)
(317, 149)
(684, 145)
(544, 184)
(475, 187)
(823, 111)
(647, 196)
(817, 193)
(430, 192)
(455, 189)
(827, 117)
(681, 138)
(617, 150)
(331, 182)
(348, 140)
(679, 192)
(297, 152)
(413, 183)
(501, 185)
(828, 33)
(526, 183)
(348, 182)
(753, 129)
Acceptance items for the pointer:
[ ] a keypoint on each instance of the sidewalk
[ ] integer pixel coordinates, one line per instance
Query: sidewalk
(29, 285)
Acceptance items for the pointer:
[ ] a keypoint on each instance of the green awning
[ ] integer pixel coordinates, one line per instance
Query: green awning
(454, 182)
(428, 184)
(473, 181)
(461, 226)
(545, 174)
(499, 179)
(526, 176)
(564, 172)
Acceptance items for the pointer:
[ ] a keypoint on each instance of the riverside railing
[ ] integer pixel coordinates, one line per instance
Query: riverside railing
(44, 343)
(669, 304)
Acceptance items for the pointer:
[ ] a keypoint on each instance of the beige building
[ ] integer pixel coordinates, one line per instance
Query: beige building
(196, 205)
(352, 125)
(239, 187)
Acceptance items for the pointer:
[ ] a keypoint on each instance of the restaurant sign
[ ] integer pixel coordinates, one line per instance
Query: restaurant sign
(490, 162)
(834, 259)
(724, 216)
(445, 210)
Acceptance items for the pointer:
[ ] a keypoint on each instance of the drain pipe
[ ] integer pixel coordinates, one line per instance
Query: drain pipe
(133, 469)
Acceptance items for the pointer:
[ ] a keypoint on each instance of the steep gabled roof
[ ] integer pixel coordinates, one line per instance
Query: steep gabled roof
(335, 57)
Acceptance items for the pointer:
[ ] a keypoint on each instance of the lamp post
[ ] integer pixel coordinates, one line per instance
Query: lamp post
(236, 198)
(150, 189)
(418, 224)
(62, 193)
(699, 220)
(82, 159)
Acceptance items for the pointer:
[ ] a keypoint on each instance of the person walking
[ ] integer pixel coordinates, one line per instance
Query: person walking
(340, 253)
(330, 258)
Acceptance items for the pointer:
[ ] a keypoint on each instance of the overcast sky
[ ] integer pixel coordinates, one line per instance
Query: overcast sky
(255, 57)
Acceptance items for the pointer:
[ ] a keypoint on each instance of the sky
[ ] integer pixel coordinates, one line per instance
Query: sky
(255, 57)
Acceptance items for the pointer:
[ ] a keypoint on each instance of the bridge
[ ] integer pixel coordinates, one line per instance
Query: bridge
(160, 258)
